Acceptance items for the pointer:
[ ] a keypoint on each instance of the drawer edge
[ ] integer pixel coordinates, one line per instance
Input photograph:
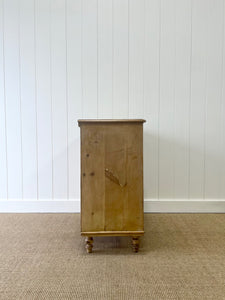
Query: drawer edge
(112, 233)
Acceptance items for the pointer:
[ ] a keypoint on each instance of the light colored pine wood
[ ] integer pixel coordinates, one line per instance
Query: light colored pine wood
(99, 121)
(135, 244)
(113, 233)
(89, 244)
(112, 178)
(92, 178)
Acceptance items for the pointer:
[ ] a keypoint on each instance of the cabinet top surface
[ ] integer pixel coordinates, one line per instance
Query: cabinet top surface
(100, 121)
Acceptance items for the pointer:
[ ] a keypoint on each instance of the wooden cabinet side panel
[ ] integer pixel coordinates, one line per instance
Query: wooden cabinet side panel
(134, 207)
(124, 178)
(112, 177)
(116, 191)
(92, 178)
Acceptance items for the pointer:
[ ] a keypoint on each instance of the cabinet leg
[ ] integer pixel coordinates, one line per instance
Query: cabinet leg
(135, 244)
(89, 244)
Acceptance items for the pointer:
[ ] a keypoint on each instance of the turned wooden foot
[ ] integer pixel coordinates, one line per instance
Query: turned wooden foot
(89, 244)
(135, 244)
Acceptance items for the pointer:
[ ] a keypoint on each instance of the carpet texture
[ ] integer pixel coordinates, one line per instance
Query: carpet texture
(182, 256)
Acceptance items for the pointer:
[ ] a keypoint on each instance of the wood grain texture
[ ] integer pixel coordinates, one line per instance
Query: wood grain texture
(92, 178)
(111, 178)
(99, 121)
(113, 233)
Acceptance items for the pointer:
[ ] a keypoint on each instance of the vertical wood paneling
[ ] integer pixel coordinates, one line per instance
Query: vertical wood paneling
(200, 13)
(160, 60)
(28, 98)
(89, 58)
(3, 148)
(222, 114)
(105, 59)
(166, 109)
(43, 88)
(74, 94)
(59, 98)
(120, 58)
(213, 99)
(151, 96)
(182, 97)
(136, 58)
(12, 94)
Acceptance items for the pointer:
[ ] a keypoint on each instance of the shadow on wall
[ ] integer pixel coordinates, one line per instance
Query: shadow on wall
(176, 170)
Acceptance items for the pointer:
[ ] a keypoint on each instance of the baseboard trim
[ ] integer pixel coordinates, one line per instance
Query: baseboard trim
(184, 206)
(150, 206)
(40, 206)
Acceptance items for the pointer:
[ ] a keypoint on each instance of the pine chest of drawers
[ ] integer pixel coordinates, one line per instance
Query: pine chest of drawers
(112, 179)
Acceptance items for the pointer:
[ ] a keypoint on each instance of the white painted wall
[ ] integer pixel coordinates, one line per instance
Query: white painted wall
(162, 60)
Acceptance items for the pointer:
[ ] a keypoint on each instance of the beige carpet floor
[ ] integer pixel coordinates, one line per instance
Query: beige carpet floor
(182, 256)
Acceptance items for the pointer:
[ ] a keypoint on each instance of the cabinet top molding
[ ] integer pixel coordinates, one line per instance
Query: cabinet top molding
(83, 121)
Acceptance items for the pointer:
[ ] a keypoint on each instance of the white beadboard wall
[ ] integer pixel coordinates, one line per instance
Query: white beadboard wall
(162, 60)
